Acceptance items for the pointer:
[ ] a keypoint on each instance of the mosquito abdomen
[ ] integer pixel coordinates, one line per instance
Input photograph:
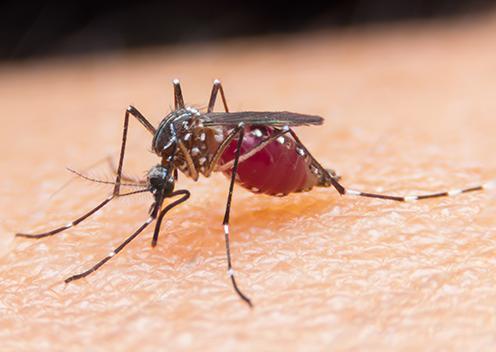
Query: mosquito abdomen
(279, 168)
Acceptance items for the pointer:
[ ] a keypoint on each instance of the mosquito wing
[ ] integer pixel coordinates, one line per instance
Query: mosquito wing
(266, 118)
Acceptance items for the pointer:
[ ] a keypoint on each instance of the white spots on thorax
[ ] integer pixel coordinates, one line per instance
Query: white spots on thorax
(187, 137)
(203, 136)
(193, 110)
(195, 151)
(202, 160)
(257, 133)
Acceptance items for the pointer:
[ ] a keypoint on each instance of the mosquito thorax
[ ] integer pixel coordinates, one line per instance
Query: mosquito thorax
(176, 124)
(161, 180)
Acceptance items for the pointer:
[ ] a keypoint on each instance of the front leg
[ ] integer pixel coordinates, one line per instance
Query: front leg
(131, 110)
(117, 184)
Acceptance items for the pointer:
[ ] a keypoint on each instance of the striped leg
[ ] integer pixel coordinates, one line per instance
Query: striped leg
(95, 267)
(111, 254)
(116, 193)
(230, 270)
(154, 215)
(412, 198)
(334, 181)
(185, 195)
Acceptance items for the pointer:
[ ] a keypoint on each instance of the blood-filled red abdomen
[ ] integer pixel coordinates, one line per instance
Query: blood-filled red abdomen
(280, 168)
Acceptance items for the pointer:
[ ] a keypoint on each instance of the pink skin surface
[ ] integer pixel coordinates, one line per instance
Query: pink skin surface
(275, 170)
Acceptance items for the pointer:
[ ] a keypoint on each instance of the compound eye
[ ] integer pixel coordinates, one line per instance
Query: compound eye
(156, 182)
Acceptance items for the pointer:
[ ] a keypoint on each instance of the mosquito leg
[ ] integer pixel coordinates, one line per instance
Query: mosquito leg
(193, 172)
(69, 225)
(164, 211)
(178, 95)
(143, 120)
(220, 150)
(113, 253)
(333, 174)
(230, 270)
(213, 96)
(330, 178)
(246, 155)
(129, 111)
(410, 198)
(224, 167)
(153, 216)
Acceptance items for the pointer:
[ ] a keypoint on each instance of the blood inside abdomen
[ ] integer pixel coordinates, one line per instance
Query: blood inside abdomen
(278, 169)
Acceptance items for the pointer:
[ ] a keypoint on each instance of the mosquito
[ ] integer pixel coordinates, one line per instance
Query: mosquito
(256, 149)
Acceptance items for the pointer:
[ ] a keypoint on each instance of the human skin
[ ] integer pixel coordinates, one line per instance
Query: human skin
(407, 110)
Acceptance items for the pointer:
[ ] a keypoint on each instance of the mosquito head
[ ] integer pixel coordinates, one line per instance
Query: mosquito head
(161, 181)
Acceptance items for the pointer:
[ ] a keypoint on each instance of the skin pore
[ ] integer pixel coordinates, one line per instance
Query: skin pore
(406, 111)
